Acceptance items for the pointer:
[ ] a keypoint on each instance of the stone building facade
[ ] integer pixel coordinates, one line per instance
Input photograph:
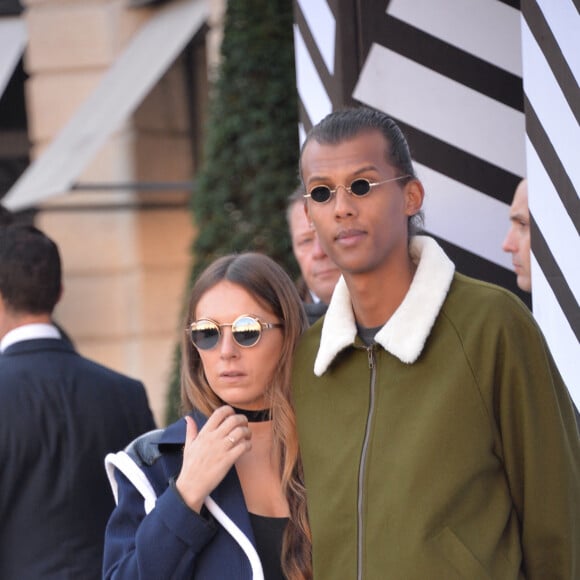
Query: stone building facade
(125, 230)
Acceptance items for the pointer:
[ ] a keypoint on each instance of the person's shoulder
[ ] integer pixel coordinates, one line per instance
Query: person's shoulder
(144, 449)
(107, 374)
(147, 447)
(476, 301)
(308, 345)
(473, 290)
(311, 334)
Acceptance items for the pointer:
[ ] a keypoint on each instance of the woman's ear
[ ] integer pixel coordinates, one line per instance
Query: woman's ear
(414, 195)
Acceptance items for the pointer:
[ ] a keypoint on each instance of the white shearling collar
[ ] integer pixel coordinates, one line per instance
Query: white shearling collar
(405, 333)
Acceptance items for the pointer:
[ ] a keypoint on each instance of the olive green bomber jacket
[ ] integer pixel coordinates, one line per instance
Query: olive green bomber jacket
(449, 450)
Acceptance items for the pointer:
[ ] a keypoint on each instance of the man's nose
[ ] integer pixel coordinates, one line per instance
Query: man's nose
(344, 202)
(508, 244)
(317, 251)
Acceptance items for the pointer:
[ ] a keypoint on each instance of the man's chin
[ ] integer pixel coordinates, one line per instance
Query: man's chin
(524, 283)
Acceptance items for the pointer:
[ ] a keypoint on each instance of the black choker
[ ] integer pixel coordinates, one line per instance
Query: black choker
(254, 416)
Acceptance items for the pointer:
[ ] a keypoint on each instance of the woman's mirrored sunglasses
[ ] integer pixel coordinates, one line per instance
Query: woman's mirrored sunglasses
(246, 331)
(359, 188)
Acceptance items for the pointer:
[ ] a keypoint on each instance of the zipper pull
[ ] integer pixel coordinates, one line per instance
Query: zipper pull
(371, 355)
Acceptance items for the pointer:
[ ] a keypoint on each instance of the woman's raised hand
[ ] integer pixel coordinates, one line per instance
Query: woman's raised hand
(209, 454)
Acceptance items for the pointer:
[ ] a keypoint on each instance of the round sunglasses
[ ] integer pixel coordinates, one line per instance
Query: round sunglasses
(359, 188)
(246, 331)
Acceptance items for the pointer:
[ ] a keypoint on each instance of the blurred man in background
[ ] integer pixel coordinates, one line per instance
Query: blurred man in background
(517, 241)
(60, 414)
(319, 273)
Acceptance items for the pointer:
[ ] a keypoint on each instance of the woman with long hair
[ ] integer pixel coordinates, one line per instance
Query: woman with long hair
(219, 494)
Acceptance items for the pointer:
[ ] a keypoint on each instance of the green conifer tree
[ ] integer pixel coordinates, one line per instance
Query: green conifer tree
(251, 146)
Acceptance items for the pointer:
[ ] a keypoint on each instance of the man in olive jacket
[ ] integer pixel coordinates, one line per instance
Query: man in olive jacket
(437, 437)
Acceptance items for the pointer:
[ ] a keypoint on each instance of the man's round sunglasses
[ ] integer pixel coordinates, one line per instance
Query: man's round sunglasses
(359, 188)
(246, 331)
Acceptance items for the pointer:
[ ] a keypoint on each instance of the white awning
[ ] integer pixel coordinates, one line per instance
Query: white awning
(13, 41)
(131, 77)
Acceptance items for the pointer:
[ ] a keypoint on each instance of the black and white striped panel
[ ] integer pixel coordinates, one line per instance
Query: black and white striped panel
(551, 67)
(327, 65)
(315, 60)
(449, 71)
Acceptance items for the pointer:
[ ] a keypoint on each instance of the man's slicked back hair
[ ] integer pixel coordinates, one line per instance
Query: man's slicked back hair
(346, 124)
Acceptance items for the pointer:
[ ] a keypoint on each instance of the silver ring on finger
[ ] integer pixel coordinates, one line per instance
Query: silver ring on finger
(231, 440)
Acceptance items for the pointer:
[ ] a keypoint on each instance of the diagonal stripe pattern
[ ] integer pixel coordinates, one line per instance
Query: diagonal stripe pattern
(485, 94)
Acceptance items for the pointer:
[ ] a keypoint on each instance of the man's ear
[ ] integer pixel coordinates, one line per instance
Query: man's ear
(414, 195)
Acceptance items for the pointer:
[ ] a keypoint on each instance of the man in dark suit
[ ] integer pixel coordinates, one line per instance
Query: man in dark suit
(60, 414)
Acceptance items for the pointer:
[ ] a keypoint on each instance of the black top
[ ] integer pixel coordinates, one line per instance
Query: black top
(268, 533)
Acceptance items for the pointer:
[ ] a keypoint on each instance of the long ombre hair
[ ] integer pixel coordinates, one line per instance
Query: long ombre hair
(271, 286)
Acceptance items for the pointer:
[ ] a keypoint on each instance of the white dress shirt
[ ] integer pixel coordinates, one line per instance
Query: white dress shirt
(28, 332)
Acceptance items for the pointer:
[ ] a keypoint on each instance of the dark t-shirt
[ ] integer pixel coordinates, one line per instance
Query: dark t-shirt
(268, 533)
(367, 335)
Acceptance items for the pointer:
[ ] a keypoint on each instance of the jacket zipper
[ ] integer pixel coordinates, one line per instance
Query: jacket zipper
(362, 467)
